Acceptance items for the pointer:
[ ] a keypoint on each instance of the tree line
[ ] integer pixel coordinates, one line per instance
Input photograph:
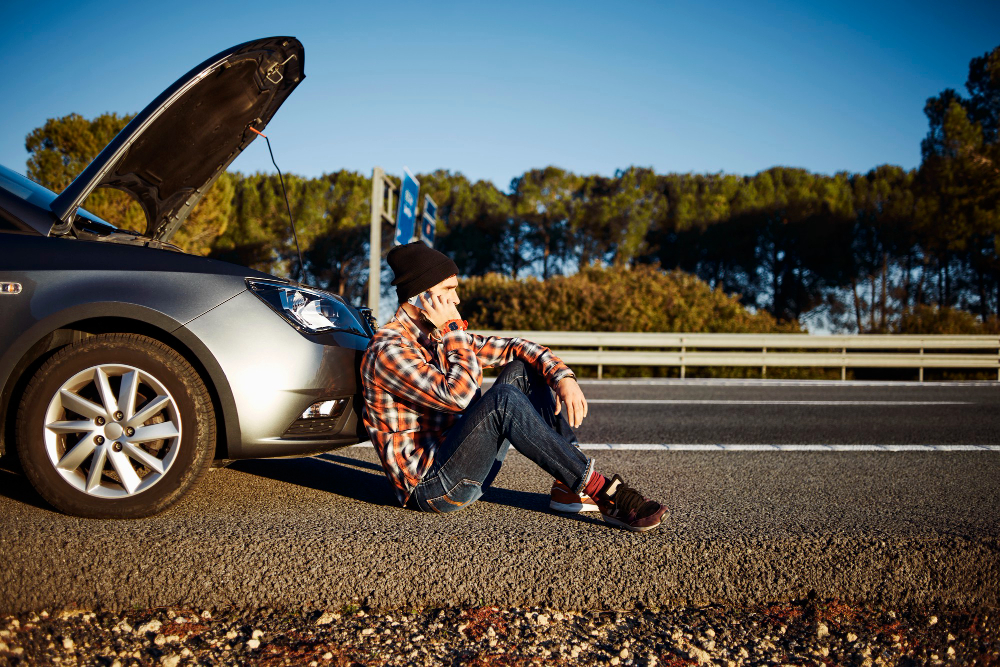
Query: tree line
(863, 251)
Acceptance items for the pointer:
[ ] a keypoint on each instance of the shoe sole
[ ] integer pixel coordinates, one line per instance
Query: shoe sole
(574, 508)
(635, 529)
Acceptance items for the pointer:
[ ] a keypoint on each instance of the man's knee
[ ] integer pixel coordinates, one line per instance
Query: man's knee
(504, 391)
(518, 368)
(507, 398)
(515, 367)
(459, 497)
(516, 363)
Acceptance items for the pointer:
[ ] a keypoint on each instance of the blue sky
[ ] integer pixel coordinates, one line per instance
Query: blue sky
(492, 90)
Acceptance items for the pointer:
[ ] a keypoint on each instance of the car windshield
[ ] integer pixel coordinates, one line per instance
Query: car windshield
(40, 196)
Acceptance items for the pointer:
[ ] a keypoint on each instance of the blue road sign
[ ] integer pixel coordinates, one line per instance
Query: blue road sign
(428, 221)
(407, 213)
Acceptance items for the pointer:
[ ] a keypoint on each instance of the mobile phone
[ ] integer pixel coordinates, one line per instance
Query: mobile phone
(415, 300)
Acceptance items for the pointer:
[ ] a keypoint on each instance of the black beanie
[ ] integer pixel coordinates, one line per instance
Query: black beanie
(417, 268)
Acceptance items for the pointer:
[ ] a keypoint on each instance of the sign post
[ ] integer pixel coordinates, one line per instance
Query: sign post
(428, 221)
(405, 221)
(406, 217)
(383, 190)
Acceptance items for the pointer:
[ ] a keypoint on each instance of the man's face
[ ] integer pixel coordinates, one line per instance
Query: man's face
(448, 290)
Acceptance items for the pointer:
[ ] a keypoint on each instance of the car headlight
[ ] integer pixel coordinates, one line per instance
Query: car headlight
(307, 309)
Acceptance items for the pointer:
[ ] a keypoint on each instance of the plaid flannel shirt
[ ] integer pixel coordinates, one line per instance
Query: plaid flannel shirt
(416, 388)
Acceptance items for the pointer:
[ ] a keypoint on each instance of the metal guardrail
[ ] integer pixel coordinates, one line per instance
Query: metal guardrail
(845, 351)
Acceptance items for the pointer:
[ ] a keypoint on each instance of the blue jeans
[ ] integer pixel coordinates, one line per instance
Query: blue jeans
(519, 410)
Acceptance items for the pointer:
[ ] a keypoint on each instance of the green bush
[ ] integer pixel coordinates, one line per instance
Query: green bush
(932, 319)
(643, 298)
(925, 319)
(648, 299)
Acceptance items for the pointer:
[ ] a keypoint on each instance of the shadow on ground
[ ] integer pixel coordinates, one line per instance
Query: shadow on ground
(331, 473)
(362, 480)
(339, 475)
(14, 485)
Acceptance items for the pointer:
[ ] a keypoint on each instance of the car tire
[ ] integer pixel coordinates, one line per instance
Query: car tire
(117, 426)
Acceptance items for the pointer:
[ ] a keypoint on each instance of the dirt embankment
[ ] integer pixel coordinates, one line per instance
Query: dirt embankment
(804, 632)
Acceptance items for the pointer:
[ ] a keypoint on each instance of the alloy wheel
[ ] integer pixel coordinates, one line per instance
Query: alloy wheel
(112, 430)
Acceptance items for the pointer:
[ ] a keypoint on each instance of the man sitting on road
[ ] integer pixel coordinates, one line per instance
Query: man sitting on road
(441, 439)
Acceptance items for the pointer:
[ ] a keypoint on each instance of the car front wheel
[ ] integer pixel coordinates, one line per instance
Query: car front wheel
(115, 426)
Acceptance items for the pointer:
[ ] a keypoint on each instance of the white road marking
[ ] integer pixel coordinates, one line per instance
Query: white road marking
(791, 448)
(682, 447)
(761, 382)
(693, 401)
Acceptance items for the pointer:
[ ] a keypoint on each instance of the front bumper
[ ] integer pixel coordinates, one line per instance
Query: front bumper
(272, 373)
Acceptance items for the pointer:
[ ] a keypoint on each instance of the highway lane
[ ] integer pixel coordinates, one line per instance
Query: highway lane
(894, 527)
(778, 413)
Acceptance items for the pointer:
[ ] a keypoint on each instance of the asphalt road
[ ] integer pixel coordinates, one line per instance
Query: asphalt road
(900, 527)
(754, 412)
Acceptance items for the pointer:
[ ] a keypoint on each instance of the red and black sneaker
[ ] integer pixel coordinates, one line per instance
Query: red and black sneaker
(562, 499)
(623, 506)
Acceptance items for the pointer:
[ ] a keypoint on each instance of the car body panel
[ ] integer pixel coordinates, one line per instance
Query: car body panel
(67, 281)
(171, 153)
(276, 373)
(251, 355)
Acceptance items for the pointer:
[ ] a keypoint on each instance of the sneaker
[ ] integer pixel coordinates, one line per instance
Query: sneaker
(623, 506)
(564, 500)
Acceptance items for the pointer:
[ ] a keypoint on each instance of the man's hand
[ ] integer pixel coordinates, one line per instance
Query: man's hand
(438, 310)
(568, 392)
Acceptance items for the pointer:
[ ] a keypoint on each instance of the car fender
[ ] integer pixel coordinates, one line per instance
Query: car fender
(86, 316)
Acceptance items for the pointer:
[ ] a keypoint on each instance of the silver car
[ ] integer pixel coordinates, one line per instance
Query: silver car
(126, 366)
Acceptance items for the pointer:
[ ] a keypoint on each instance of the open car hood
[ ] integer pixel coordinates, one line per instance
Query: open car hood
(172, 152)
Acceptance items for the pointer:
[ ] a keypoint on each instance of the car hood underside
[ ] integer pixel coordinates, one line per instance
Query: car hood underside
(172, 152)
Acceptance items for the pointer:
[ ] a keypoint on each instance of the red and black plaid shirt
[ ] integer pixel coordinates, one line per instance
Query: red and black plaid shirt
(416, 388)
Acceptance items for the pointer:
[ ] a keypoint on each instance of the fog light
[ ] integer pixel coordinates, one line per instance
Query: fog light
(325, 409)
(320, 420)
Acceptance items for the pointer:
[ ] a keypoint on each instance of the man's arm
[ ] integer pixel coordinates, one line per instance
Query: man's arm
(568, 393)
(495, 351)
(402, 371)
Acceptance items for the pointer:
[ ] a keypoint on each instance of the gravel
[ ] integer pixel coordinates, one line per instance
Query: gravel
(813, 632)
